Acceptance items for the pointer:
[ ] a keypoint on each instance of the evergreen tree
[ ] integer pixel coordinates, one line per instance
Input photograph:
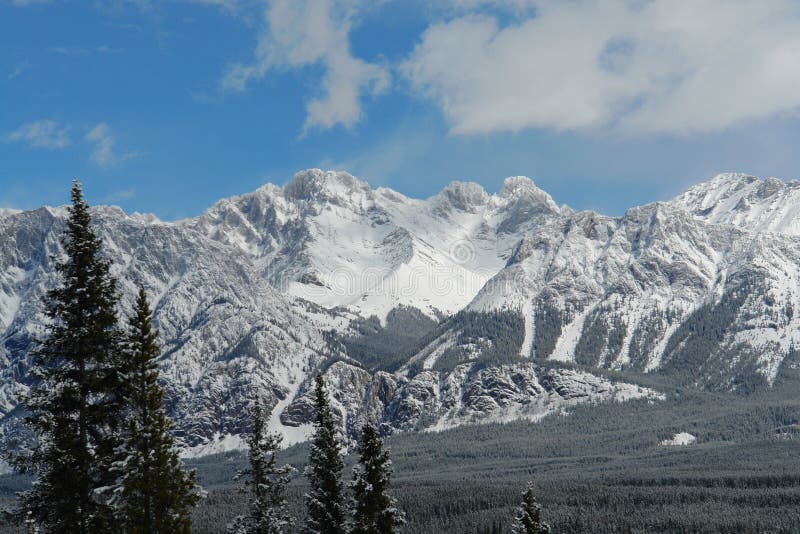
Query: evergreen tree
(324, 501)
(154, 493)
(266, 483)
(374, 511)
(74, 405)
(529, 515)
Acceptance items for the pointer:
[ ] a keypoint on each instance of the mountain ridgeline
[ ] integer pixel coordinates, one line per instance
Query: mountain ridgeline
(463, 307)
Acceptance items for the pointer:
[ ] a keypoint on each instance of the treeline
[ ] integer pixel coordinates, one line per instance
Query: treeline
(487, 338)
(694, 352)
(387, 348)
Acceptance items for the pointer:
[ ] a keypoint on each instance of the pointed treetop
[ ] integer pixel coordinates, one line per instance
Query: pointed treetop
(142, 303)
(76, 195)
(529, 515)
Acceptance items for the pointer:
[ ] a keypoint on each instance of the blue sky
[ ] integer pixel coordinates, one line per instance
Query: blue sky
(167, 106)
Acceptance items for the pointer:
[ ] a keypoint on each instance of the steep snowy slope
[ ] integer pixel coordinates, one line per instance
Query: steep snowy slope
(750, 203)
(330, 239)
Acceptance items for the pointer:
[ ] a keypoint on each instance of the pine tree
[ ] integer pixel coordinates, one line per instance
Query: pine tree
(154, 493)
(266, 483)
(529, 515)
(374, 511)
(324, 501)
(74, 406)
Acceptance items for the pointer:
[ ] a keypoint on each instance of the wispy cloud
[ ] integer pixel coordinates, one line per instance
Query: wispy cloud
(78, 51)
(634, 67)
(25, 3)
(104, 152)
(300, 33)
(232, 6)
(41, 134)
(18, 69)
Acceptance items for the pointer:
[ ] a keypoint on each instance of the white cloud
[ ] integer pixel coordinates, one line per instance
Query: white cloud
(25, 3)
(649, 66)
(232, 6)
(77, 51)
(104, 153)
(517, 6)
(41, 134)
(301, 33)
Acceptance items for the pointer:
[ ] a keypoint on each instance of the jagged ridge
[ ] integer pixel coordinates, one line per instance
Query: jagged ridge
(703, 288)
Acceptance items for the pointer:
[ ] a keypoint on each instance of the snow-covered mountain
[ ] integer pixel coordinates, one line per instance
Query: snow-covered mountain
(752, 204)
(228, 335)
(330, 239)
(262, 291)
(695, 286)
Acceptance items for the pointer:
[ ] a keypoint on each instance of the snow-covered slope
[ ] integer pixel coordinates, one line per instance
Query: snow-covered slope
(750, 203)
(330, 239)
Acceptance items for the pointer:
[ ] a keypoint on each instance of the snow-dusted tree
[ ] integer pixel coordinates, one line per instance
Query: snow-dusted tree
(265, 482)
(529, 515)
(325, 500)
(374, 510)
(154, 493)
(74, 404)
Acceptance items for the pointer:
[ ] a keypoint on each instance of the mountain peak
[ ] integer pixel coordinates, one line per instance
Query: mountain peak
(516, 184)
(746, 201)
(314, 184)
(464, 196)
(731, 184)
(515, 187)
(731, 178)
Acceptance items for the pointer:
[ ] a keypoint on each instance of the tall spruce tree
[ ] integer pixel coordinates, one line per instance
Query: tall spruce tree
(154, 493)
(529, 515)
(325, 500)
(374, 510)
(74, 405)
(265, 483)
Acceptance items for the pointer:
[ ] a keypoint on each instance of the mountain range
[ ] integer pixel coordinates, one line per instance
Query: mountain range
(424, 314)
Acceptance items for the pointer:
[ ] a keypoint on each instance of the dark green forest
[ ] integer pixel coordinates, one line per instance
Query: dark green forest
(599, 469)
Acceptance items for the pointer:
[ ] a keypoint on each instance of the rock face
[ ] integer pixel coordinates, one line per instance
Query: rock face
(433, 400)
(228, 336)
(703, 288)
